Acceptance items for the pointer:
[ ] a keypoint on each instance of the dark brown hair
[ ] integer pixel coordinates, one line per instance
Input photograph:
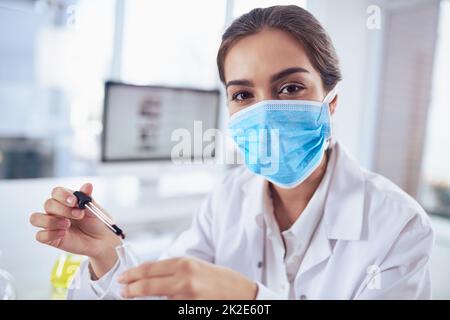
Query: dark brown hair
(300, 24)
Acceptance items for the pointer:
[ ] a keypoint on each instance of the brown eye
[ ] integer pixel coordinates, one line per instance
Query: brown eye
(241, 96)
(290, 89)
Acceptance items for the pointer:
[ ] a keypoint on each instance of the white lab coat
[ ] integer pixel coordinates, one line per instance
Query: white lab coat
(373, 242)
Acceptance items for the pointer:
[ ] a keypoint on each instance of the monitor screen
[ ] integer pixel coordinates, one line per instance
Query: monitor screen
(138, 121)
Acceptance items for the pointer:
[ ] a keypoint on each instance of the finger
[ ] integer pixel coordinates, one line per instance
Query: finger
(148, 270)
(87, 188)
(46, 221)
(46, 236)
(162, 286)
(52, 206)
(64, 196)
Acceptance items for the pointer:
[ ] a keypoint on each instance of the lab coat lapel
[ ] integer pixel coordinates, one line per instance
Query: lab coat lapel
(318, 251)
(252, 209)
(343, 211)
(344, 206)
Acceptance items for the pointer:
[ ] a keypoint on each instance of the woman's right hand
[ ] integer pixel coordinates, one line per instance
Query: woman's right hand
(74, 230)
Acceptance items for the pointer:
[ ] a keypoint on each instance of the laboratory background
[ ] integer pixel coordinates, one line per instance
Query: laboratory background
(91, 90)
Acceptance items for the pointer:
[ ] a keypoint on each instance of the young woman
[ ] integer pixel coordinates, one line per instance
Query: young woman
(316, 225)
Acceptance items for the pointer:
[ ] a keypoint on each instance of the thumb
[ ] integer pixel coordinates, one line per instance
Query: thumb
(87, 188)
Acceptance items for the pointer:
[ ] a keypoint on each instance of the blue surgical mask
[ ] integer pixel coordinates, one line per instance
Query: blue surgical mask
(283, 140)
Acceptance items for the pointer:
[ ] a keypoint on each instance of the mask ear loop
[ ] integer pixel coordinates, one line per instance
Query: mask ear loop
(330, 96)
(327, 100)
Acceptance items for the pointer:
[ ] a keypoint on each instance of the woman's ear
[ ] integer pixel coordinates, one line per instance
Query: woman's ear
(333, 104)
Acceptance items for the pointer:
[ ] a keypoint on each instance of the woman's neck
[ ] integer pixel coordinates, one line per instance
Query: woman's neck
(289, 203)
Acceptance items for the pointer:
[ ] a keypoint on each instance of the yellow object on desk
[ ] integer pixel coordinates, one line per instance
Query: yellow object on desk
(62, 274)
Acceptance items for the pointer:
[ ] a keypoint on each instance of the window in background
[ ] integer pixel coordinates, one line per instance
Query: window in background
(435, 194)
(54, 57)
(75, 57)
(172, 42)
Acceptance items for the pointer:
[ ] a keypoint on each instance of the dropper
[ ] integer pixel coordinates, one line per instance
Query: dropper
(85, 201)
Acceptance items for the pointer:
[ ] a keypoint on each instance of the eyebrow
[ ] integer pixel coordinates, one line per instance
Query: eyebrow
(286, 72)
(240, 82)
(273, 78)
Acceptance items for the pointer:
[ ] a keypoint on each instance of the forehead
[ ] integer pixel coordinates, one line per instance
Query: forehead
(264, 53)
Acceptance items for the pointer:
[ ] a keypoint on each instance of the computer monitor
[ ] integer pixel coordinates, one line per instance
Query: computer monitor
(138, 120)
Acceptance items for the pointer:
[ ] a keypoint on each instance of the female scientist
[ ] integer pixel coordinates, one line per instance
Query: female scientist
(317, 227)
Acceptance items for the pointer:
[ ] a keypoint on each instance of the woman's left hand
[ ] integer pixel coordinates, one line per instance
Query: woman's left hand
(186, 278)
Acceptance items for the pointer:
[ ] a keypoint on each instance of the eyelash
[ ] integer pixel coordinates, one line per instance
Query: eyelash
(234, 97)
(298, 88)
